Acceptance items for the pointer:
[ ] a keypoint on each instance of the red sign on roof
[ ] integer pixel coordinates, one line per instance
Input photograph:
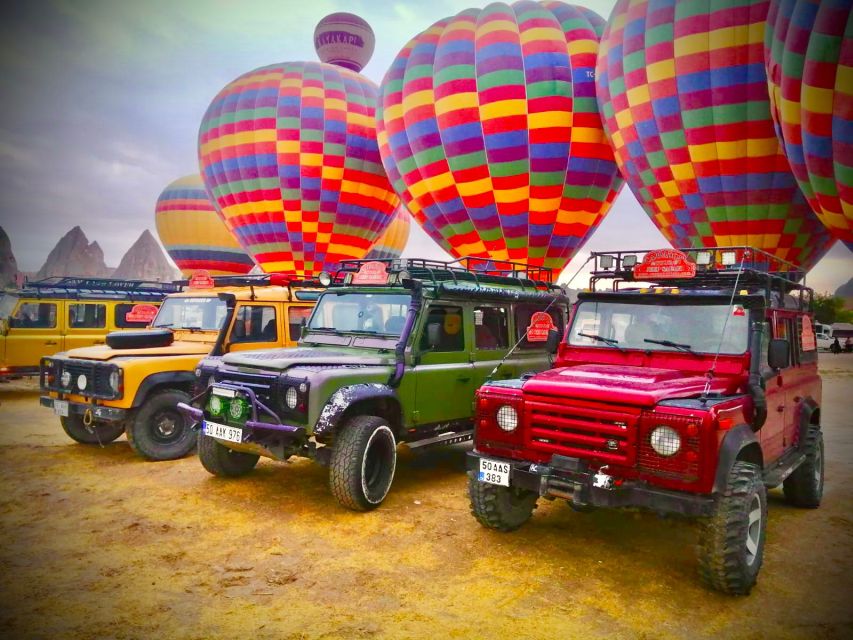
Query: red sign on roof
(141, 313)
(807, 337)
(201, 280)
(371, 273)
(664, 263)
(541, 324)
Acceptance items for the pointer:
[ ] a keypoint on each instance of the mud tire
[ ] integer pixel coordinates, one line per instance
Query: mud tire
(500, 508)
(98, 433)
(222, 461)
(159, 431)
(804, 487)
(364, 458)
(731, 548)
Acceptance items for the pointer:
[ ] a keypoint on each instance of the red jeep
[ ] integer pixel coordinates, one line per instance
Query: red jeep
(691, 392)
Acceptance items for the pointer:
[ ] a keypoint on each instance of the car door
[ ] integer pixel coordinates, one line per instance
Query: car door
(802, 379)
(444, 374)
(491, 342)
(85, 323)
(34, 332)
(772, 434)
(255, 326)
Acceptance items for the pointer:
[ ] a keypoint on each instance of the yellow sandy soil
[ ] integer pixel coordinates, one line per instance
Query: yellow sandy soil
(96, 543)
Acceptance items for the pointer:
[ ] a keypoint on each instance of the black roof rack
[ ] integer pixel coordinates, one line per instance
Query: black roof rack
(717, 268)
(479, 271)
(260, 280)
(74, 288)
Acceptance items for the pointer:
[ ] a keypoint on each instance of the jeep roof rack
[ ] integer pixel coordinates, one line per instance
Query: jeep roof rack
(472, 270)
(717, 269)
(76, 288)
(260, 280)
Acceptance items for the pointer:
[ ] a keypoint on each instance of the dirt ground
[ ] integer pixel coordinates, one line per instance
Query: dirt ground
(96, 543)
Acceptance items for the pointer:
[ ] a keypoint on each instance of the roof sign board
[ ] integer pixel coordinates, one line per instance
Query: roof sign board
(371, 273)
(664, 263)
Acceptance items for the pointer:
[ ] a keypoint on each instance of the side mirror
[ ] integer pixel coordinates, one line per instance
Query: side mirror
(433, 335)
(779, 354)
(553, 341)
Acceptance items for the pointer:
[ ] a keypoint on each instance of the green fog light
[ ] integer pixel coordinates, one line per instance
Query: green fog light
(238, 408)
(215, 405)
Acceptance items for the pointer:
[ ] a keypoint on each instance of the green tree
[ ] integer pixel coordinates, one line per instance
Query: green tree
(829, 309)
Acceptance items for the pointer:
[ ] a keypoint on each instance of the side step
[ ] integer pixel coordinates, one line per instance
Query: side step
(452, 437)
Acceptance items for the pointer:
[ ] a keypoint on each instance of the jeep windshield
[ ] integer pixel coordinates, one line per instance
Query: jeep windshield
(374, 314)
(654, 327)
(191, 314)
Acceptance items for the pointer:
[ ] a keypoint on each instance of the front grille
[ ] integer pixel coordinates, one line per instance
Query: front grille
(684, 465)
(263, 384)
(582, 429)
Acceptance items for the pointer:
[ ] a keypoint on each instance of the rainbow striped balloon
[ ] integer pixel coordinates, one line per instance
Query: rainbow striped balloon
(289, 153)
(808, 51)
(192, 232)
(684, 98)
(393, 241)
(490, 132)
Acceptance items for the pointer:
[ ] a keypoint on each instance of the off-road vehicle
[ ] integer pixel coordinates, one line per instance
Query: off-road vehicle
(134, 382)
(392, 353)
(692, 394)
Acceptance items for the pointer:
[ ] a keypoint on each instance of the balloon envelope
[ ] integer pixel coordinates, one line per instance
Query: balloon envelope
(490, 132)
(289, 153)
(684, 98)
(393, 241)
(809, 59)
(344, 39)
(192, 232)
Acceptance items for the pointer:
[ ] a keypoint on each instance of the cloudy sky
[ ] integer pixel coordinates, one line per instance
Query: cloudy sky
(101, 102)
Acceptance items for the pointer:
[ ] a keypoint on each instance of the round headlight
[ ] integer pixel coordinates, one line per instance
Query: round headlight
(291, 397)
(665, 441)
(507, 418)
(303, 388)
(325, 278)
(198, 373)
(82, 382)
(114, 380)
(65, 379)
(237, 408)
(215, 405)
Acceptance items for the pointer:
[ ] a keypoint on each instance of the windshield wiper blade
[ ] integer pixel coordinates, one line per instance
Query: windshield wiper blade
(612, 342)
(676, 345)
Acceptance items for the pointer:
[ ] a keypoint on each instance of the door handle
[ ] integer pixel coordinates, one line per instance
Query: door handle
(51, 343)
(797, 398)
(98, 342)
(780, 408)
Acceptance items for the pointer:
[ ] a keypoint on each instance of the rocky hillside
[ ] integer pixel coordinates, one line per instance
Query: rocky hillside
(145, 260)
(846, 291)
(8, 264)
(73, 255)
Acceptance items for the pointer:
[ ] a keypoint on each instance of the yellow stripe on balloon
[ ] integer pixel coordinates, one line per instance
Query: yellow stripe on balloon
(502, 109)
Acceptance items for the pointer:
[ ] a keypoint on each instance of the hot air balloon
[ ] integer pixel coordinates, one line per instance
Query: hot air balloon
(344, 39)
(808, 52)
(490, 133)
(192, 232)
(393, 241)
(683, 94)
(289, 154)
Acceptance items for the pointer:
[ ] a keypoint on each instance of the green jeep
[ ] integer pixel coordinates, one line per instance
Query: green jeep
(393, 352)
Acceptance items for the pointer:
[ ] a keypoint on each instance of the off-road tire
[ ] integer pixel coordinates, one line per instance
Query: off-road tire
(727, 562)
(501, 508)
(804, 487)
(222, 461)
(159, 431)
(364, 458)
(98, 433)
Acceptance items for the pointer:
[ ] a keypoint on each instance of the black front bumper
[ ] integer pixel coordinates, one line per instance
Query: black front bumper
(573, 480)
(100, 413)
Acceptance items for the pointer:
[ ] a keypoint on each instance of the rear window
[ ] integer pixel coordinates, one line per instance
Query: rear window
(121, 313)
(523, 314)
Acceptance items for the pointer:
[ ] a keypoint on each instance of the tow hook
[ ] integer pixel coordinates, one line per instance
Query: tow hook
(88, 418)
(601, 480)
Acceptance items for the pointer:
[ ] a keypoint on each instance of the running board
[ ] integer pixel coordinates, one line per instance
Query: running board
(453, 437)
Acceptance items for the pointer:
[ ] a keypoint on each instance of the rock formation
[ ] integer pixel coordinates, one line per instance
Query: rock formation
(74, 256)
(8, 264)
(145, 260)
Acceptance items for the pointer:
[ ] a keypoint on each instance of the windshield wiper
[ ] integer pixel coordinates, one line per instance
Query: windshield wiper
(676, 345)
(191, 329)
(167, 325)
(612, 342)
(322, 329)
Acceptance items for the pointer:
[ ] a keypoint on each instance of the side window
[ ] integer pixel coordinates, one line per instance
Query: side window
(491, 328)
(254, 324)
(296, 317)
(121, 321)
(35, 315)
(764, 366)
(87, 316)
(523, 314)
(447, 327)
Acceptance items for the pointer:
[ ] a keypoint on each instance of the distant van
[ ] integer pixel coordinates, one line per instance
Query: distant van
(823, 332)
(57, 314)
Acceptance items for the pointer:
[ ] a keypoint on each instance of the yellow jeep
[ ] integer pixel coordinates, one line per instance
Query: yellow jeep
(56, 314)
(133, 383)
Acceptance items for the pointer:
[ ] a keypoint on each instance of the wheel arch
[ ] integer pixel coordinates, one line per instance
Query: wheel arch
(360, 399)
(740, 444)
(178, 380)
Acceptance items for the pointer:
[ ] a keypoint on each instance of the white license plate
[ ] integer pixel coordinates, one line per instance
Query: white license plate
(494, 472)
(223, 432)
(60, 408)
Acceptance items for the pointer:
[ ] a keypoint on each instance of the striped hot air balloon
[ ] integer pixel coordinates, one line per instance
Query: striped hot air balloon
(808, 52)
(393, 241)
(490, 133)
(192, 232)
(683, 94)
(289, 153)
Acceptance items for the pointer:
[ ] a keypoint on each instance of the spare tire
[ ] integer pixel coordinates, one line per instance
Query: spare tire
(147, 339)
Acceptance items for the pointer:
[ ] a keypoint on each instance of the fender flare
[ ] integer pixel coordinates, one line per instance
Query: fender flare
(736, 439)
(807, 407)
(176, 378)
(342, 399)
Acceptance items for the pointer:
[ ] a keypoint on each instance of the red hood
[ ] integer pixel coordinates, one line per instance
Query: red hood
(624, 384)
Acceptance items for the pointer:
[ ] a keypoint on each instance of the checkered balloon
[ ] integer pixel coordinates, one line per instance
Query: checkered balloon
(289, 153)
(393, 241)
(489, 130)
(684, 99)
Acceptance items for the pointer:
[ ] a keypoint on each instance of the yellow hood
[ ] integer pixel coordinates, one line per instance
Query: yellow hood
(177, 348)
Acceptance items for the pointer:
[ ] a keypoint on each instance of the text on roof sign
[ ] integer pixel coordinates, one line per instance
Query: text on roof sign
(664, 263)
